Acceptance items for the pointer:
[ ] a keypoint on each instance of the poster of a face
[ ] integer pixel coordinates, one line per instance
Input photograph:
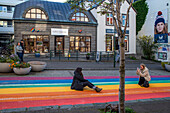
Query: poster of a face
(161, 27)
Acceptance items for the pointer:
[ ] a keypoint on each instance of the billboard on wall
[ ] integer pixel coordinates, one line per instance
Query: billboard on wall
(161, 27)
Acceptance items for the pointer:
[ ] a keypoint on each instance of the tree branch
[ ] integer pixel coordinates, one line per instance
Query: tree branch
(127, 17)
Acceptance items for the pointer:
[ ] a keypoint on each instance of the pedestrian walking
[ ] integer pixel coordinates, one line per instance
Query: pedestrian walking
(144, 78)
(22, 45)
(79, 82)
(19, 50)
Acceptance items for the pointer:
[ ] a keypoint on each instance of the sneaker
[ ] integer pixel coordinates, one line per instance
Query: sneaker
(98, 89)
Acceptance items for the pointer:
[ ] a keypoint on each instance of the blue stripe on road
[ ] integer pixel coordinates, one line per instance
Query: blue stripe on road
(69, 81)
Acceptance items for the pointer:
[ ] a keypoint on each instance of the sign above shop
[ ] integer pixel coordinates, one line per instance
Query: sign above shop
(56, 31)
(112, 31)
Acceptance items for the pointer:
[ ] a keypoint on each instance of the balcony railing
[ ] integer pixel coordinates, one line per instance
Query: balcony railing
(8, 29)
(6, 15)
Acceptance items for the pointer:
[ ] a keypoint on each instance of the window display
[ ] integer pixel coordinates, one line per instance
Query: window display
(80, 43)
(36, 43)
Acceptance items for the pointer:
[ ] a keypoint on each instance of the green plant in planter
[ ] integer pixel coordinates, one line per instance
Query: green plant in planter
(14, 57)
(133, 58)
(163, 64)
(88, 56)
(37, 51)
(6, 60)
(19, 65)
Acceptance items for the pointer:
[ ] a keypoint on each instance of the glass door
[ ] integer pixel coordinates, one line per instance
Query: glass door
(59, 45)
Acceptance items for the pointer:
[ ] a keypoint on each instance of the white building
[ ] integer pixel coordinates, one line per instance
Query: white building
(6, 23)
(106, 30)
(148, 28)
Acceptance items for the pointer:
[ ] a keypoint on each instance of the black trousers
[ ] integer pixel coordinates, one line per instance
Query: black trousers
(143, 82)
(87, 83)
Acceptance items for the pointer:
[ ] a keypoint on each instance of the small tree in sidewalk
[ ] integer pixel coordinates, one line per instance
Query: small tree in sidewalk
(148, 46)
(110, 6)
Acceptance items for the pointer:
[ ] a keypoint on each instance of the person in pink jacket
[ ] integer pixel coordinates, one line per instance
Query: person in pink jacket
(144, 78)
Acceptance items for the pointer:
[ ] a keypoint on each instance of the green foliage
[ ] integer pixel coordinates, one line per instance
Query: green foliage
(163, 64)
(9, 59)
(20, 65)
(142, 9)
(14, 57)
(133, 58)
(127, 110)
(4, 59)
(88, 54)
(148, 46)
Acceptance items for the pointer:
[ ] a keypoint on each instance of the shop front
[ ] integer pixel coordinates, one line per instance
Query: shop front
(61, 32)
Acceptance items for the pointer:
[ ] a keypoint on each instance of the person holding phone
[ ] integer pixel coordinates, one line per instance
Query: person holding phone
(144, 78)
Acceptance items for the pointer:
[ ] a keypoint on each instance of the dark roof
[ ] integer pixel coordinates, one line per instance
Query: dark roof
(59, 12)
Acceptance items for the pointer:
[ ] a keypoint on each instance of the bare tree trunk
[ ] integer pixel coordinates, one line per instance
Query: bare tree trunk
(122, 77)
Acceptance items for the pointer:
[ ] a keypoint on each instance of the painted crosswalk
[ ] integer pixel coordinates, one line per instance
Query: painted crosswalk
(20, 92)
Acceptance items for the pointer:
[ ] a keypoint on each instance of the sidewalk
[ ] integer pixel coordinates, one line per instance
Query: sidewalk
(92, 65)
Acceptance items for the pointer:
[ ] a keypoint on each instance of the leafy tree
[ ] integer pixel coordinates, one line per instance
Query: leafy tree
(111, 6)
(142, 10)
(148, 46)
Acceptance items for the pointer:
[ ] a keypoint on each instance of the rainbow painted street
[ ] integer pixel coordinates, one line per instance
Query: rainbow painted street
(20, 92)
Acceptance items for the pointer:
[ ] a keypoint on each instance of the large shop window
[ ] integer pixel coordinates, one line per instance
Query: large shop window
(36, 14)
(35, 43)
(109, 20)
(126, 43)
(80, 17)
(80, 43)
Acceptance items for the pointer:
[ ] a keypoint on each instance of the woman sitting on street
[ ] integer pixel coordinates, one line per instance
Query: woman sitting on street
(79, 82)
(144, 78)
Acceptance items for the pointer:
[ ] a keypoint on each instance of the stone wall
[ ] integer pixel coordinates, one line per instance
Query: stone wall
(24, 28)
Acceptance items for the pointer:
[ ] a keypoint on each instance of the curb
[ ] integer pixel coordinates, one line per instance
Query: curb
(69, 107)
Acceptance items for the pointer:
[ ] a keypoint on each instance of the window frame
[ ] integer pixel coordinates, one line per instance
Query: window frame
(111, 41)
(34, 12)
(127, 50)
(123, 25)
(26, 37)
(78, 15)
(80, 47)
(109, 20)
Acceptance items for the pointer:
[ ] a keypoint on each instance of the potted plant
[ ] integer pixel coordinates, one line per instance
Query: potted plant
(21, 68)
(167, 66)
(88, 56)
(4, 64)
(37, 53)
(37, 65)
(14, 57)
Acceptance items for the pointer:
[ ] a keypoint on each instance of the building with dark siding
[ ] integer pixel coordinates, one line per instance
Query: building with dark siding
(46, 26)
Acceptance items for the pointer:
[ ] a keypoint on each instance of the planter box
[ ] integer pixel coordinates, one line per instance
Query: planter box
(4, 67)
(167, 67)
(37, 54)
(22, 71)
(37, 65)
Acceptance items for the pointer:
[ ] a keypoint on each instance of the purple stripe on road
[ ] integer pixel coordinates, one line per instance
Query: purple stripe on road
(66, 78)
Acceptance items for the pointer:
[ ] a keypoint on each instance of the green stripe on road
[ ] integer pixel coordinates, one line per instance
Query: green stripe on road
(69, 84)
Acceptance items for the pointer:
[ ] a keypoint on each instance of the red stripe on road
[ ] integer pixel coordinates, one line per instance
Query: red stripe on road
(73, 101)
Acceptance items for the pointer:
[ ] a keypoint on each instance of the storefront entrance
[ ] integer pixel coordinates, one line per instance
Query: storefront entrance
(59, 44)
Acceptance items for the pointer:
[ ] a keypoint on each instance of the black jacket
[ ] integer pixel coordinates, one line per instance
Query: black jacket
(78, 80)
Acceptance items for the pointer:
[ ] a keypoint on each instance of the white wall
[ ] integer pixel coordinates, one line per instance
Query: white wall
(101, 33)
(154, 7)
